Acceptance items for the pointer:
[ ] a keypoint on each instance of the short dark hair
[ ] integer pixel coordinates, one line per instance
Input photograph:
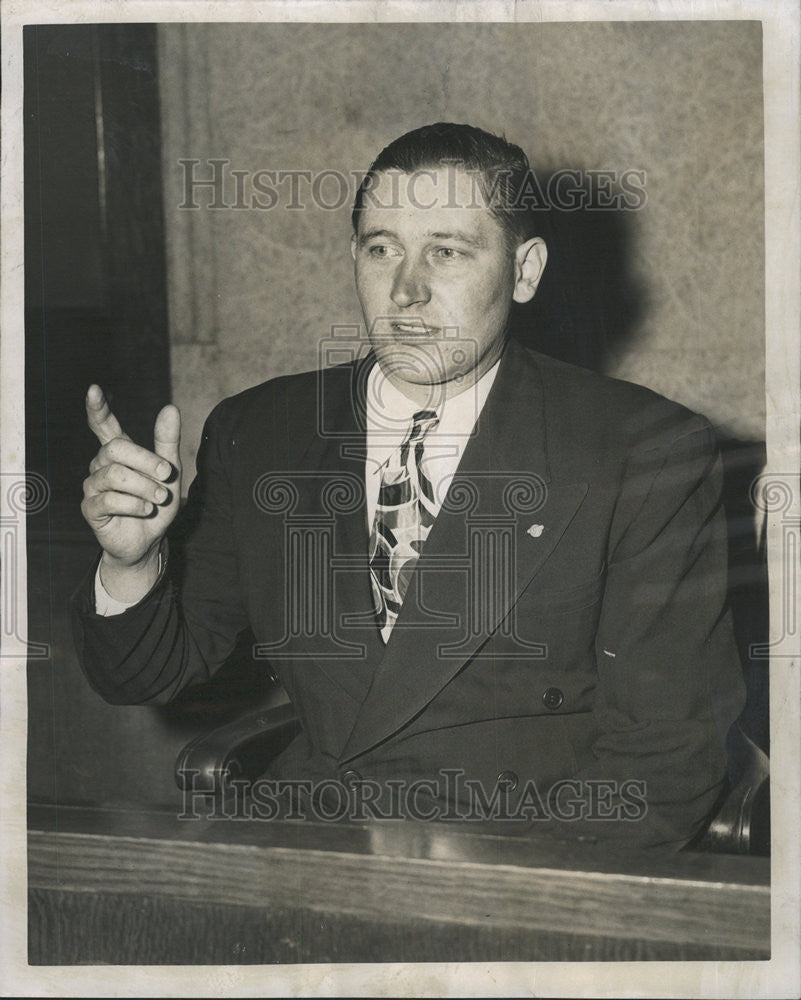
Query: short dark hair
(502, 170)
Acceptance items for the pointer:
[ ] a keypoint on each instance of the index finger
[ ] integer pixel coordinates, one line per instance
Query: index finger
(102, 422)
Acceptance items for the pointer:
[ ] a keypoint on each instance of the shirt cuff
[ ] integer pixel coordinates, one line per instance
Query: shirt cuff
(107, 606)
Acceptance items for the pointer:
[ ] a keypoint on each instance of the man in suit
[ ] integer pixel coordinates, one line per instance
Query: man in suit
(481, 574)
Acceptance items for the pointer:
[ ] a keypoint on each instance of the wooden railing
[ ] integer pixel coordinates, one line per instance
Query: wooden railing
(135, 887)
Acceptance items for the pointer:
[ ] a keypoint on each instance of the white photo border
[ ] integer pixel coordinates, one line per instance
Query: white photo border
(778, 977)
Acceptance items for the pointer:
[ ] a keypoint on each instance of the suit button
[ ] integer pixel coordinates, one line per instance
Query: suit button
(509, 779)
(351, 778)
(552, 698)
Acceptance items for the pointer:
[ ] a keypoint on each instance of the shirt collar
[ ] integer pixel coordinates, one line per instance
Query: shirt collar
(390, 412)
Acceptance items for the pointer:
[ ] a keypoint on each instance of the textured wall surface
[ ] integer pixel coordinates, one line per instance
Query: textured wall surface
(253, 292)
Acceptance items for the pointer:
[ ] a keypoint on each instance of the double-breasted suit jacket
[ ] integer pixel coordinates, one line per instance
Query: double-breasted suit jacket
(567, 618)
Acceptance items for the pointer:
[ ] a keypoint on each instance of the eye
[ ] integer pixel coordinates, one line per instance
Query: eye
(382, 250)
(448, 253)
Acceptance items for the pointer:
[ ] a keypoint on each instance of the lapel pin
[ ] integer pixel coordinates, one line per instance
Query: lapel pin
(536, 530)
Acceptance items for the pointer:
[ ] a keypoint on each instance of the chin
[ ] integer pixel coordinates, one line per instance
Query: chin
(422, 363)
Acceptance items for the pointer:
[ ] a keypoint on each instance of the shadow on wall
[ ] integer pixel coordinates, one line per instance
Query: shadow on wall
(587, 310)
(589, 300)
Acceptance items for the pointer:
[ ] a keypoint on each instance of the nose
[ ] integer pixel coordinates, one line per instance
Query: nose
(409, 286)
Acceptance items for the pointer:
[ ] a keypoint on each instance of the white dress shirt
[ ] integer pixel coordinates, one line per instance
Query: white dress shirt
(389, 420)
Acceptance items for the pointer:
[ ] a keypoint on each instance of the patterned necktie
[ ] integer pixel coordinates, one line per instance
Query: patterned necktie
(404, 514)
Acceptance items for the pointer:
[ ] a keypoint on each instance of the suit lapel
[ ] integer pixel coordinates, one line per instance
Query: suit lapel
(496, 528)
(330, 487)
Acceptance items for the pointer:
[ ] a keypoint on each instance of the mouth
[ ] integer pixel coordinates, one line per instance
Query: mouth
(413, 329)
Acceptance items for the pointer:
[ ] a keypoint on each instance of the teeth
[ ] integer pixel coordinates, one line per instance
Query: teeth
(411, 329)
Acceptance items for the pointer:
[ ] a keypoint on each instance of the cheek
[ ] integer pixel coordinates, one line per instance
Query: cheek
(484, 298)
(368, 288)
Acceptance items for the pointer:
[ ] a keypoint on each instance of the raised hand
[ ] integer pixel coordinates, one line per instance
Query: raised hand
(131, 495)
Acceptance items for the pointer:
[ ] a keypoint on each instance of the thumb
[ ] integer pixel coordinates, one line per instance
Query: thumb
(167, 434)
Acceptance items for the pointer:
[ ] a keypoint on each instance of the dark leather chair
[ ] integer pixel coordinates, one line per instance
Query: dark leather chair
(742, 823)
(239, 751)
(234, 755)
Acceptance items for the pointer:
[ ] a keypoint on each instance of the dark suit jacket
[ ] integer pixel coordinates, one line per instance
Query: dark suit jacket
(568, 618)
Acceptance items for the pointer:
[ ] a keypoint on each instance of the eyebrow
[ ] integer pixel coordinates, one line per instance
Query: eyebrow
(457, 235)
(373, 233)
(460, 236)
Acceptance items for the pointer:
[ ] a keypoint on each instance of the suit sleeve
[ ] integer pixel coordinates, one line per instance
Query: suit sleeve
(185, 628)
(670, 679)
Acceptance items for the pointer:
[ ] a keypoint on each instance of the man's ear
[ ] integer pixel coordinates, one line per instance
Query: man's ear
(530, 258)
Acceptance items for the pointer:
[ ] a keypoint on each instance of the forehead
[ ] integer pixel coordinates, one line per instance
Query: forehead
(427, 201)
